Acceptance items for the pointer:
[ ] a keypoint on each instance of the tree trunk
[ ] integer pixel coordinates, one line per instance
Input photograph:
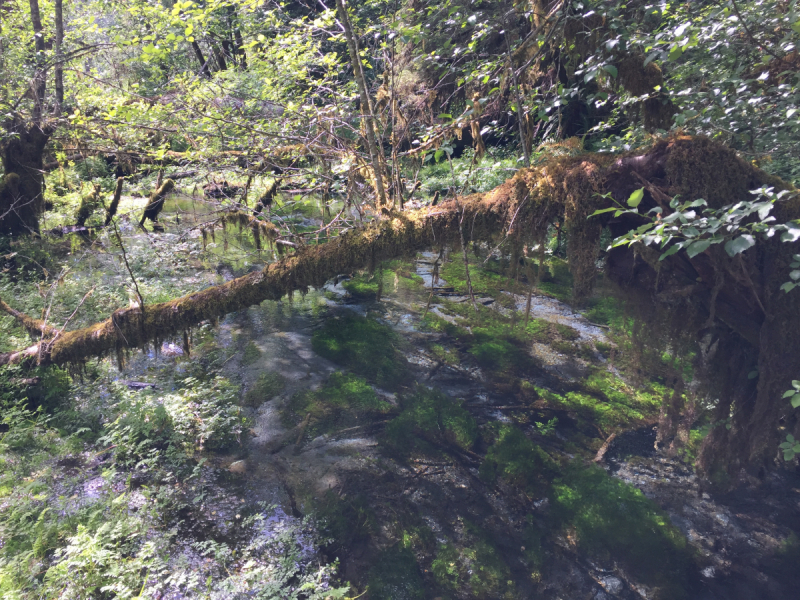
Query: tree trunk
(59, 67)
(240, 51)
(205, 71)
(39, 82)
(22, 191)
(218, 56)
(366, 109)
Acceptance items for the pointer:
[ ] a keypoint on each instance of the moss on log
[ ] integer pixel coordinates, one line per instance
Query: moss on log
(710, 301)
(156, 202)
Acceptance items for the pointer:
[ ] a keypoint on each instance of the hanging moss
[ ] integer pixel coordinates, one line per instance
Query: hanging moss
(89, 203)
(114, 206)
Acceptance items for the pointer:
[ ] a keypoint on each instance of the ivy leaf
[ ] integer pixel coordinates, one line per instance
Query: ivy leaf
(636, 198)
(739, 244)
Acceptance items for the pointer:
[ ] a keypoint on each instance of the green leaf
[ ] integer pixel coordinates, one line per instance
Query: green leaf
(697, 247)
(672, 250)
(788, 393)
(795, 400)
(739, 244)
(601, 211)
(611, 69)
(698, 202)
(788, 455)
(636, 198)
(790, 438)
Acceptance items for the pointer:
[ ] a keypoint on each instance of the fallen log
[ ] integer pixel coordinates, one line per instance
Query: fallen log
(736, 305)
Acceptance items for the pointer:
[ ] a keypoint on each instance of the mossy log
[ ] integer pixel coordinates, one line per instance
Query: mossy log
(89, 203)
(734, 307)
(156, 202)
(114, 206)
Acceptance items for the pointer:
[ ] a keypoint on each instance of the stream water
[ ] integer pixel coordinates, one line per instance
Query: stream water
(414, 512)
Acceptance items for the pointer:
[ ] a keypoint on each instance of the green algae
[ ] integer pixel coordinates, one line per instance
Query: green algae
(612, 521)
(474, 565)
(250, 354)
(364, 346)
(396, 575)
(345, 399)
(429, 419)
(517, 460)
(266, 387)
(608, 402)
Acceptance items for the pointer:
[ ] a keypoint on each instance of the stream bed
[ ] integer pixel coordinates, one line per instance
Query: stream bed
(411, 440)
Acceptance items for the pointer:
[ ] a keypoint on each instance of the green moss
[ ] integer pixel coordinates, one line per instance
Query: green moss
(608, 402)
(362, 286)
(429, 416)
(346, 520)
(448, 356)
(364, 346)
(614, 522)
(605, 311)
(265, 388)
(347, 391)
(345, 400)
(497, 355)
(475, 566)
(250, 354)
(517, 460)
(396, 575)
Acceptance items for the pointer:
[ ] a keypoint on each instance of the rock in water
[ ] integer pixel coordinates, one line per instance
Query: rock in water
(239, 467)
